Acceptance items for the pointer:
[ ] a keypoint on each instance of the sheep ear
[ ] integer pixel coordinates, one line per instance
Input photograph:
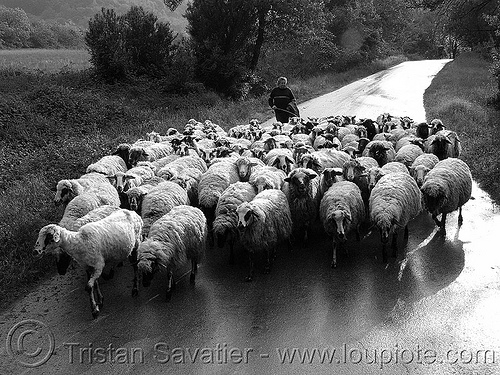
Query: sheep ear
(347, 215)
(289, 159)
(111, 179)
(287, 179)
(126, 178)
(448, 141)
(56, 235)
(311, 174)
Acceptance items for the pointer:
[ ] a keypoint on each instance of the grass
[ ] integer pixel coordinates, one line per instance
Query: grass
(461, 96)
(43, 60)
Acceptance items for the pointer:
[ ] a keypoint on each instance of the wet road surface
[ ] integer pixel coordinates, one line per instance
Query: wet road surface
(432, 310)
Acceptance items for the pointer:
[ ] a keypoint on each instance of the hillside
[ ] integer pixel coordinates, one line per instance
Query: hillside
(80, 11)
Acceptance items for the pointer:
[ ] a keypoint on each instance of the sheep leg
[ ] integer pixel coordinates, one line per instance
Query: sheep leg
(443, 222)
(358, 234)
(334, 254)
(231, 249)
(250, 268)
(92, 277)
(460, 217)
(436, 220)
(407, 233)
(194, 269)
(133, 260)
(170, 283)
(395, 244)
(100, 298)
(267, 263)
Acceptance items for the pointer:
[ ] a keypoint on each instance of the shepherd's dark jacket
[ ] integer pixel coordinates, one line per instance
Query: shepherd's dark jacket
(280, 97)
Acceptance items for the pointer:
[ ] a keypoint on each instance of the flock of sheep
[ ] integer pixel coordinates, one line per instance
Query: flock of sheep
(160, 201)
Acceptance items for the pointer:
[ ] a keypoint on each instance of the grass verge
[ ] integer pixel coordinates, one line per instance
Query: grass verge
(461, 95)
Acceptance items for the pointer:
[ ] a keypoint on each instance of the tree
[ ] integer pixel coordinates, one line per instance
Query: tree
(15, 27)
(129, 45)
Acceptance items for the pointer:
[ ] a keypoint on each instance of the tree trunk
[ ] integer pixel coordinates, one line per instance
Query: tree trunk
(260, 39)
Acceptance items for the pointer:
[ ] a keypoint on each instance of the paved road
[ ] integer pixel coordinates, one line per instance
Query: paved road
(432, 310)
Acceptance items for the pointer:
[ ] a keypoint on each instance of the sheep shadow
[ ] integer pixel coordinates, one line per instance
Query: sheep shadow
(431, 267)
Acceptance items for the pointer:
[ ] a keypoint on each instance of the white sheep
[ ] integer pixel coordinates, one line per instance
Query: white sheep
(160, 200)
(407, 154)
(176, 237)
(267, 178)
(211, 186)
(446, 188)
(66, 190)
(355, 170)
(150, 152)
(135, 176)
(109, 240)
(321, 159)
(226, 219)
(376, 173)
(301, 188)
(281, 158)
(86, 202)
(189, 179)
(421, 166)
(341, 211)
(108, 165)
(246, 166)
(394, 201)
(264, 223)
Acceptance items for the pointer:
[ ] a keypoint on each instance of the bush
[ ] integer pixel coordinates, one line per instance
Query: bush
(134, 44)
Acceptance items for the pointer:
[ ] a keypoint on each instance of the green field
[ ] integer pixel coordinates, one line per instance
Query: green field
(44, 60)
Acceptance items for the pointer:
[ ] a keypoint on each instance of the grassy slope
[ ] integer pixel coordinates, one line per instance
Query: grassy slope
(460, 95)
(53, 125)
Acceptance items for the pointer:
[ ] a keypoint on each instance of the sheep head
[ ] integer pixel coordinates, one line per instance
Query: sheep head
(283, 162)
(64, 192)
(352, 169)
(331, 175)
(48, 241)
(341, 218)
(300, 179)
(246, 215)
(244, 166)
(418, 173)
(374, 174)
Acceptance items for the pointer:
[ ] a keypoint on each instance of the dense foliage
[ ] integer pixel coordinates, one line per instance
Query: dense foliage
(18, 31)
(133, 44)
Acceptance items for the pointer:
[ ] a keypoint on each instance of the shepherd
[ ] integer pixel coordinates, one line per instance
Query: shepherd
(283, 102)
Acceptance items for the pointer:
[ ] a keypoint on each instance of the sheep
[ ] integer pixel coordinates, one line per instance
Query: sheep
(95, 244)
(445, 144)
(319, 160)
(175, 167)
(160, 163)
(135, 176)
(160, 200)
(211, 186)
(176, 237)
(280, 158)
(371, 129)
(409, 140)
(86, 202)
(66, 190)
(225, 225)
(301, 188)
(446, 188)
(328, 177)
(376, 173)
(246, 166)
(355, 170)
(341, 211)
(422, 130)
(189, 179)
(135, 196)
(263, 223)
(407, 154)
(421, 166)
(151, 152)
(394, 201)
(108, 165)
(436, 125)
(382, 151)
(267, 178)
